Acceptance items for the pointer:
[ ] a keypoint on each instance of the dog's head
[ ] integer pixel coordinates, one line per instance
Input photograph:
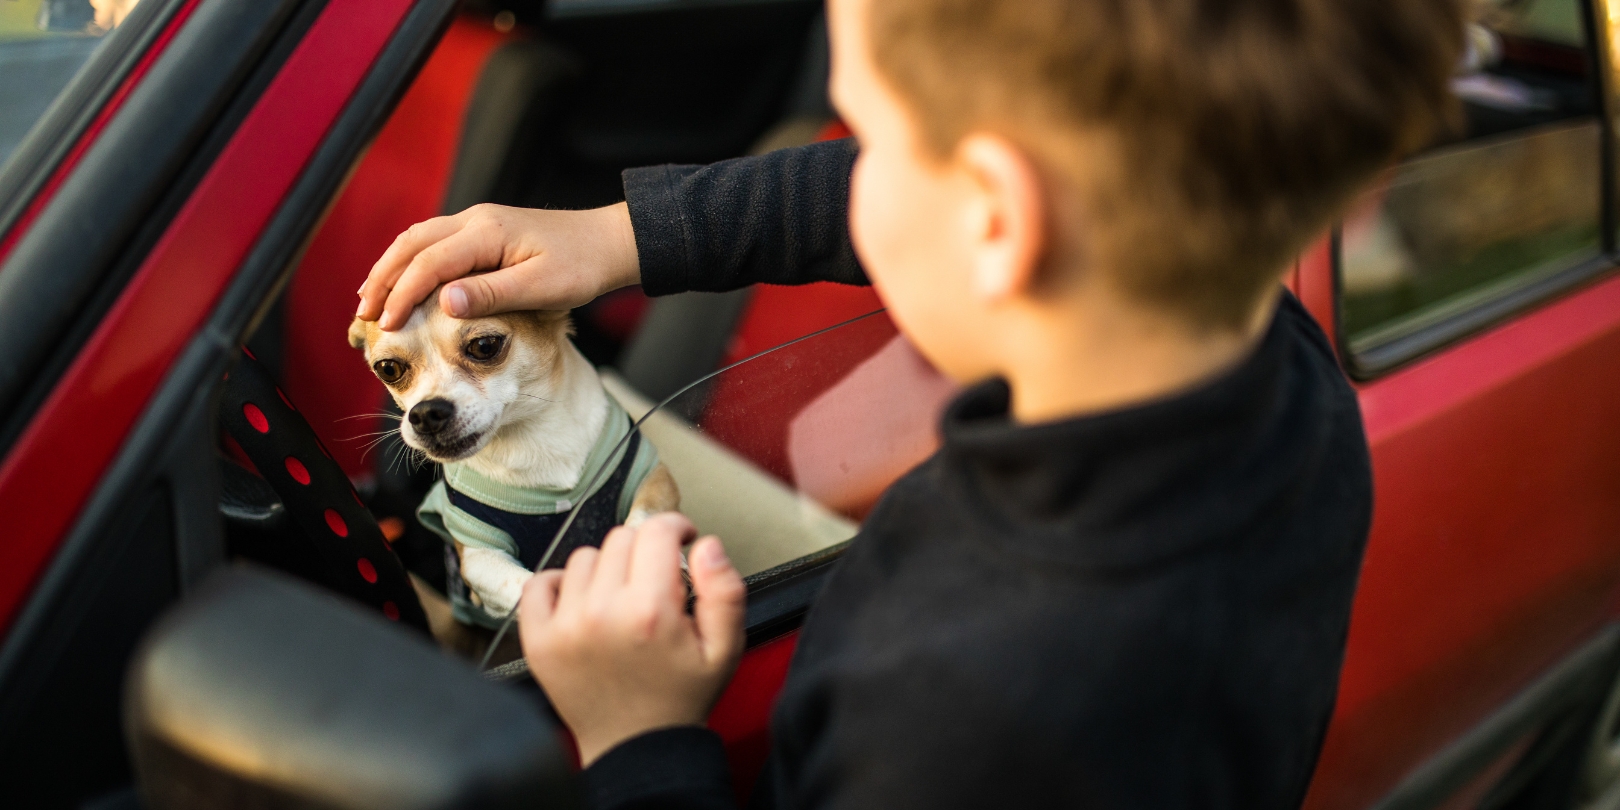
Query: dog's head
(461, 382)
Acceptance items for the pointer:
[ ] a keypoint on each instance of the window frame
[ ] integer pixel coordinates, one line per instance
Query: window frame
(166, 458)
(82, 105)
(1602, 52)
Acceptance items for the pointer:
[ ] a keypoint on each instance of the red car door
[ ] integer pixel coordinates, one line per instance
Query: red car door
(1479, 312)
(143, 222)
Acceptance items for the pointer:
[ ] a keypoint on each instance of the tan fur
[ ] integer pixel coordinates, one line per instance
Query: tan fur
(657, 493)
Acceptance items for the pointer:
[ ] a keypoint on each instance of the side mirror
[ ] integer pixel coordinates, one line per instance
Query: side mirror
(260, 691)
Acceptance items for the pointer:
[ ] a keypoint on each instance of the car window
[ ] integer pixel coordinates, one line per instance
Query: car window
(43, 43)
(781, 455)
(1509, 202)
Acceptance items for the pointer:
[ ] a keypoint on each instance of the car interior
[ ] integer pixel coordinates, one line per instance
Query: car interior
(534, 104)
(570, 98)
(781, 412)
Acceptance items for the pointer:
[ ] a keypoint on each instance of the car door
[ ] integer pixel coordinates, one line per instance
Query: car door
(1478, 311)
(155, 203)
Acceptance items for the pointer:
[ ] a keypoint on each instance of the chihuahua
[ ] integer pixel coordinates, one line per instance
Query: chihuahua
(526, 433)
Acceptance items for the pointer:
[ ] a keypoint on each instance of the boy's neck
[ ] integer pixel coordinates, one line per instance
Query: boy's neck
(1072, 364)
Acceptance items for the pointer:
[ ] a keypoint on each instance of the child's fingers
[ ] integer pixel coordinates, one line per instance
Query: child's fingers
(450, 258)
(655, 565)
(721, 602)
(539, 599)
(380, 281)
(576, 579)
(613, 562)
(521, 286)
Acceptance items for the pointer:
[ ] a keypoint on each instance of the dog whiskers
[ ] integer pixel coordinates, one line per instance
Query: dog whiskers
(378, 415)
(399, 453)
(407, 458)
(366, 436)
(378, 441)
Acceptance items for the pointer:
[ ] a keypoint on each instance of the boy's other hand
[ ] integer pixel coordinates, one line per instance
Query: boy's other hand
(540, 260)
(610, 640)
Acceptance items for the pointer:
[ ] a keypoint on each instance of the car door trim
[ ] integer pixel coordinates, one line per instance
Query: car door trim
(81, 111)
(1376, 362)
(1563, 686)
(95, 231)
(246, 290)
(1600, 52)
(780, 597)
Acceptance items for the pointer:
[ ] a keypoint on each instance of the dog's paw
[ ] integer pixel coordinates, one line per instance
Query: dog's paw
(495, 578)
(500, 603)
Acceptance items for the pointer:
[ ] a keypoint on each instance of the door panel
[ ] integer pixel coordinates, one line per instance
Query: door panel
(1481, 272)
(61, 719)
(1494, 542)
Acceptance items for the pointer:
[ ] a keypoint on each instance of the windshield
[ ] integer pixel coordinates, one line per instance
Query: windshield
(43, 43)
(782, 454)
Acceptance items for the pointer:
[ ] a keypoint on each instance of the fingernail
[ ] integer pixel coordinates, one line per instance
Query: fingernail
(359, 310)
(714, 557)
(361, 290)
(386, 319)
(457, 298)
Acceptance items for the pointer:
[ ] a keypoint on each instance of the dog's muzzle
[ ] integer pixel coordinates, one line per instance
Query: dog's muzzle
(430, 416)
(433, 422)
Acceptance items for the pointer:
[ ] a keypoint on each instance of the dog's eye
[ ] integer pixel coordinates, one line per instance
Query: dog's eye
(389, 370)
(485, 348)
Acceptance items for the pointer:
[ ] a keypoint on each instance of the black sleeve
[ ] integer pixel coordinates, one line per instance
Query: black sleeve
(779, 218)
(670, 769)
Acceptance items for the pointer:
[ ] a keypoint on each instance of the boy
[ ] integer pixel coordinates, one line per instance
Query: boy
(1125, 579)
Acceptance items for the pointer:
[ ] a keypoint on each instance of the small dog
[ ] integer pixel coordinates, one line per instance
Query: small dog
(525, 431)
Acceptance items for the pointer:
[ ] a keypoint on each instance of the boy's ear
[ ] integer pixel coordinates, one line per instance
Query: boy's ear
(358, 333)
(1009, 221)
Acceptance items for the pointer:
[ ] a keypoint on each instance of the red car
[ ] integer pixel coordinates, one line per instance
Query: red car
(180, 178)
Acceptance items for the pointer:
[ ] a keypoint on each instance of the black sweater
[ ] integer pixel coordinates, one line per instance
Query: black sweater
(1140, 609)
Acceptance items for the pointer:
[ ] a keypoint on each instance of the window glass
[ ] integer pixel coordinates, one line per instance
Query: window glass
(1513, 199)
(783, 454)
(43, 43)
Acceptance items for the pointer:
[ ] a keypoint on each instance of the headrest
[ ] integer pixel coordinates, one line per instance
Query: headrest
(261, 691)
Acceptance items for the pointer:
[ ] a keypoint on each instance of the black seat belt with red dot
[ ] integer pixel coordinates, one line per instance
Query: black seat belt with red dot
(355, 559)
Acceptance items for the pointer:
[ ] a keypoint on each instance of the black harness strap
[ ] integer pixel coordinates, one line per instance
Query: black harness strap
(533, 533)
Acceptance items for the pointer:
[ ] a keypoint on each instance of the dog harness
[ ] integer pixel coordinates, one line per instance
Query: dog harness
(477, 512)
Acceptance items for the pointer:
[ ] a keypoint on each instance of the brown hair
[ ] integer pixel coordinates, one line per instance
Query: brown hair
(1236, 129)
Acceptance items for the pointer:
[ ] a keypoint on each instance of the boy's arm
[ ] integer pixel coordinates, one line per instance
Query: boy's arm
(680, 768)
(778, 218)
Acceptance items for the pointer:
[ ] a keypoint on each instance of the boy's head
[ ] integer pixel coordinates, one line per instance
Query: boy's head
(1173, 154)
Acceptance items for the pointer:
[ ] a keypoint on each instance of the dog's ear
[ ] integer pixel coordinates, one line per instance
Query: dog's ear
(555, 319)
(358, 333)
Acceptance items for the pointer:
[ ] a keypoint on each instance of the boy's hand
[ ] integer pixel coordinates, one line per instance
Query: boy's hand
(541, 260)
(609, 638)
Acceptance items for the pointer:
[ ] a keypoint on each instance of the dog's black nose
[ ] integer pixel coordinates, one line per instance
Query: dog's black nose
(431, 415)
